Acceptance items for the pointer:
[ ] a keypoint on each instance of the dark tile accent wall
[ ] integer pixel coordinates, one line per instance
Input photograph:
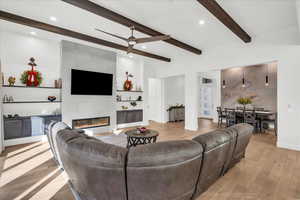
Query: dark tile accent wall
(255, 77)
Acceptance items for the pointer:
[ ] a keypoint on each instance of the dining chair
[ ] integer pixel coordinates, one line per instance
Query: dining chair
(221, 116)
(265, 123)
(230, 117)
(250, 118)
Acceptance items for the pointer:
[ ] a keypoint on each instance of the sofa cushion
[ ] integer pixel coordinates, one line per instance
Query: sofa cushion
(244, 133)
(212, 139)
(96, 169)
(216, 145)
(164, 170)
(53, 132)
(232, 132)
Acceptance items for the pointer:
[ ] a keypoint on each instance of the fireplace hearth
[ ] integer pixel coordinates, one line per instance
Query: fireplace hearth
(90, 122)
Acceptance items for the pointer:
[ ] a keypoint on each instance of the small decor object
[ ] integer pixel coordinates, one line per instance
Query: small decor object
(58, 83)
(31, 77)
(2, 76)
(133, 103)
(244, 101)
(119, 98)
(139, 98)
(11, 99)
(51, 98)
(142, 129)
(124, 107)
(128, 84)
(11, 81)
(5, 98)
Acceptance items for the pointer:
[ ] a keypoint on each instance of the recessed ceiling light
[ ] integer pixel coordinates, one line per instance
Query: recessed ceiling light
(33, 33)
(144, 47)
(201, 22)
(130, 56)
(54, 19)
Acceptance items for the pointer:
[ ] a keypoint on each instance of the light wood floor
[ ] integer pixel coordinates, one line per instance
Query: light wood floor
(267, 172)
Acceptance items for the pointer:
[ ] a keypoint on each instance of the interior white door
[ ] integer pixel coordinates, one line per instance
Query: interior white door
(155, 99)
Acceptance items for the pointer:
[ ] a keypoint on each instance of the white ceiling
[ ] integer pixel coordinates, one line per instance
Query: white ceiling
(267, 21)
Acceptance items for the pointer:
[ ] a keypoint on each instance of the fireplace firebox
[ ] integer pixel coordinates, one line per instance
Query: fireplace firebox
(90, 122)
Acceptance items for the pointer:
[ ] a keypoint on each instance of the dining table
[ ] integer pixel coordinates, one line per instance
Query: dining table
(260, 114)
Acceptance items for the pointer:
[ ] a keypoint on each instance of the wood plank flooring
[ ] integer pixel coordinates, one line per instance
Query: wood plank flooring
(267, 173)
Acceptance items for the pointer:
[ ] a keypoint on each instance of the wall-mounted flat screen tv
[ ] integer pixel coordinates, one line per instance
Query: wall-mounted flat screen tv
(91, 83)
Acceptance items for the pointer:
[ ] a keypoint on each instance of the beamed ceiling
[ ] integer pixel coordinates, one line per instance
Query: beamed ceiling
(272, 21)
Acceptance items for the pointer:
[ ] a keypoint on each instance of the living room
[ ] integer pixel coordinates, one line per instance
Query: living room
(148, 106)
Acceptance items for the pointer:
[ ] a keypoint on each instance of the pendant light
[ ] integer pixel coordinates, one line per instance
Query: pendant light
(267, 77)
(243, 80)
(223, 82)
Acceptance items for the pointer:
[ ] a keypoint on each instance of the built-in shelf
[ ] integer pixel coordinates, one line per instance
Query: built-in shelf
(129, 100)
(14, 102)
(129, 110)
(129, 91)
(23, 86)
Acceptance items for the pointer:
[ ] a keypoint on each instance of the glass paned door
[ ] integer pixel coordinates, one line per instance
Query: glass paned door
(206, 101)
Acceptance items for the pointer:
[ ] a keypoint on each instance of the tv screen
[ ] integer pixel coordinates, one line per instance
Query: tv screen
(91, 83)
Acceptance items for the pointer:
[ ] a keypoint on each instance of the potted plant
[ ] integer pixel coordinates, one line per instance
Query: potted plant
(244, 101)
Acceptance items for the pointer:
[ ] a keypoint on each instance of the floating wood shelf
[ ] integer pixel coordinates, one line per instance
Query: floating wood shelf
(129, 110)
(14, 102)
(130, 91)
(129, 100)
(21, 86)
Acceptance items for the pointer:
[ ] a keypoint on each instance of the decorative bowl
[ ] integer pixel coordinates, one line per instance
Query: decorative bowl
(142, 129)
(51, 98)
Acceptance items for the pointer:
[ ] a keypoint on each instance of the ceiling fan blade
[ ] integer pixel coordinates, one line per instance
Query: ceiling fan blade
(122, 38)
(152, 39)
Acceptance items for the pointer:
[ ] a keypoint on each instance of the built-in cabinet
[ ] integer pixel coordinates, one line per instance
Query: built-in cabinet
(30, 112)
(129, 116)
(176, 114)
(20, 127)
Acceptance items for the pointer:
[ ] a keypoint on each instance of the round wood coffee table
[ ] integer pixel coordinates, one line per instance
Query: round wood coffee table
(135, 138)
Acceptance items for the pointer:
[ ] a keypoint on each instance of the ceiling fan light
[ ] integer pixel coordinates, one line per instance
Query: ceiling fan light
(131, 42)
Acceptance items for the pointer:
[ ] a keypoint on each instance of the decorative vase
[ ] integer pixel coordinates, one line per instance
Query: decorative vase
(127, 85)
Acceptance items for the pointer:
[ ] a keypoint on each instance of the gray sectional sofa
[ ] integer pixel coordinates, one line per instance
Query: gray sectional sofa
(172, 170)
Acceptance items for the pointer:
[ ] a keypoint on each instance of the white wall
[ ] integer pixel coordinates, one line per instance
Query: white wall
(17, 49)
(174, 90)
(155, 100)
(76, 56)
(244, 55)
(15, 52)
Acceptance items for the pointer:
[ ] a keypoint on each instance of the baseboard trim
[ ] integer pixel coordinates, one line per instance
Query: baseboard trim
(25, 140)
(288, 146)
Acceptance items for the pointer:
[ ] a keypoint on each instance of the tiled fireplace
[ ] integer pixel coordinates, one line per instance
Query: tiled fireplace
(90, 122)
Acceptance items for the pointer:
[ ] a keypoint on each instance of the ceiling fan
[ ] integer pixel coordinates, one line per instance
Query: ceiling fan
(131, 41)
